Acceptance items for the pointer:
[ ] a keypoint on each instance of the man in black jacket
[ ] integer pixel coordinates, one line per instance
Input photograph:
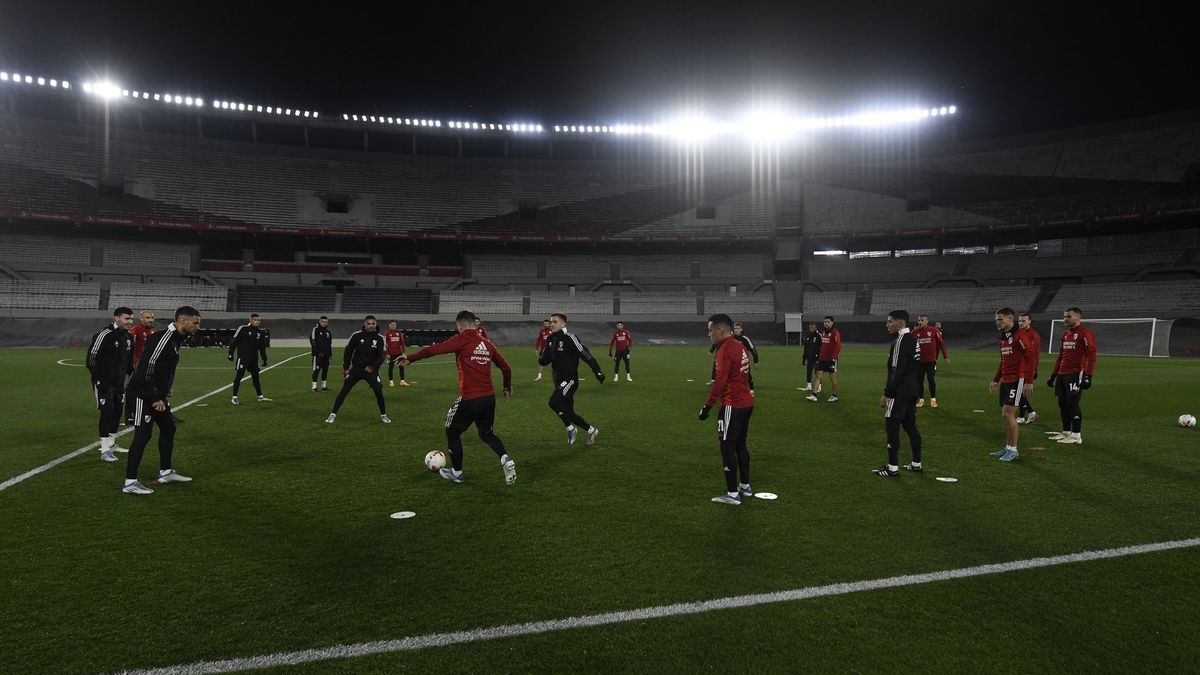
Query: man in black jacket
(563, 353)
(812, 353)
(152, 383)
(364, 354)
(109, 360)
(249, 343)
(320, 340)
(900, 394)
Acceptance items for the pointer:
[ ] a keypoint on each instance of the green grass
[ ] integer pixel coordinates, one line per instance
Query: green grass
(283, 541)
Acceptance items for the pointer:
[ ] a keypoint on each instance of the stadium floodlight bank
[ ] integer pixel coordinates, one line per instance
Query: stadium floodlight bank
(1123, 337)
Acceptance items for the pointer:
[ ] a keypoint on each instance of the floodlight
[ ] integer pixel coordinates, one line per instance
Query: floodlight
(316, 114)
(3, 76)
(188, 100)
(200, 102)
(28, 79)
(66, 85)
(53, 83)
(87, 86)
(953, 109)
(259, 108)
(41, 81)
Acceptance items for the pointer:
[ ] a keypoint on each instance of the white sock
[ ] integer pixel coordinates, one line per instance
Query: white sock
(916, 464)
(163, 472)
(105, 443)
(1011, 447)
(503, 459)
(591, 430)
(323, 383)
(732, 494)
(744, 486)
(570, 427)
(893, 467)
(130, 481)
(456, 472)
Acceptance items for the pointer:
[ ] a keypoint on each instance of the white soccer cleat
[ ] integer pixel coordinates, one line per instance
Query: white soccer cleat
(108, 456)
(233, 400)
(538, 378)
(384, 418)
(628, 377)
(812, 397)
(172, 476)
(136, 488)
(592, 434)
(262, 398)
(616, 378)
(1020, 420)
(1033, 417)
(1058, 436)
(510, 471)
(807, 387)
(329, 420)
(116, 448)
(833, 399)
(1073, 439)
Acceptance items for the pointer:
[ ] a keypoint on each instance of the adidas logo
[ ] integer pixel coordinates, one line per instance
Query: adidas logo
(482, 350)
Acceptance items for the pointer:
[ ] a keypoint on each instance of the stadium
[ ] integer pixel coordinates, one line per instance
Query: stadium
(319, 539)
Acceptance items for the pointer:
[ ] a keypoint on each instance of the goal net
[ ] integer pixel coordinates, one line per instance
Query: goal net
(1128, 337)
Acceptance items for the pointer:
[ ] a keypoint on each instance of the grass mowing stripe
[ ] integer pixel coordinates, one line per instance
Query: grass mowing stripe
(679, 609)
(92, 446)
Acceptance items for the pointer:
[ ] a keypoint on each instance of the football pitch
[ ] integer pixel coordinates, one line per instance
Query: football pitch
(283, 542)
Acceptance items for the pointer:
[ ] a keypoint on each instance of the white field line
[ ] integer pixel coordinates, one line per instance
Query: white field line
(661, 611)
(92, 446)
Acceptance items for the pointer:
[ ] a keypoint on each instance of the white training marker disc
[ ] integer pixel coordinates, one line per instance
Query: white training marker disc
(403, 515)
(201, 405)
(691, 380)
(947, 479)
(769, 496)
(980, 411)
(1051, 433)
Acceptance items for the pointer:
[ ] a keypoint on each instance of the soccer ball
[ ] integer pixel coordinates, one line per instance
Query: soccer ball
(1187, 421)
(435, 460)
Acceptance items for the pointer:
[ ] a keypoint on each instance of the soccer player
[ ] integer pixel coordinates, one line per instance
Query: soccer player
(250, 344)
(747, 343)
(1012, 378)
(929, 339)
(623, 341)
(394, 338)
(900, 394)
(144, 329)
(731, 385)
(1072, 374)
(109, 359)
(320, 342)
(563, 353)
(831, 348)
(476, 402)
(152, 384)
(364, 354)
(479, 328)
(1027, 415)
(540, 344)
(812, 351)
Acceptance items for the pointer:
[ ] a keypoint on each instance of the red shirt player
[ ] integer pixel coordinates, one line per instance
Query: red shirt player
(540, 344)
(732, 386)
(479, 327)
(930, 342)
(831, 348)
(476, 402)
(393, 339)
(140, 332)
(1072, 374)
(1014, 377)
(623, 341)
(1027, 415)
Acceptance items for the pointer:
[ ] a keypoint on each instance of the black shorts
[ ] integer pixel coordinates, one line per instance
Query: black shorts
(901, 408)
(320, 361)
(478, 411)
(827, 366)
(1068, 385)
(733, 422)
(1012, 393)
(144, 413)
(621, 354)
(250, 365)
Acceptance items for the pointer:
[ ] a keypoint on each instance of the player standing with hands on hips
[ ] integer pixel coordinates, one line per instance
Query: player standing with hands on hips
(731, 385)
(476, 402)
(563, 353)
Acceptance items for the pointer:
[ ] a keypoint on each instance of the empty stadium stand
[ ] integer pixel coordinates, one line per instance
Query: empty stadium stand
(739, 305)
(286, 298)
(167, 297)
(56, 295)
(387, 300)
(484, 303)
(1150, 299)
(983, 301)
(831, 303)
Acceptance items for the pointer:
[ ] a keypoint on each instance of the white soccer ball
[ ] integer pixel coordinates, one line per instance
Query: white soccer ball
(435, 460)
(1187, 421)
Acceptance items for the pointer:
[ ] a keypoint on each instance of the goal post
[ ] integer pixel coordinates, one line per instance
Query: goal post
(1122, 337)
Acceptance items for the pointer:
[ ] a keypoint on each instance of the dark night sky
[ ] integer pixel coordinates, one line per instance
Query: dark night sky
(1011, 70)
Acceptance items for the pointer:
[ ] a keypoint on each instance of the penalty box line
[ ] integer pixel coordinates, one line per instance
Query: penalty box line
(92, 446)
(647, 613)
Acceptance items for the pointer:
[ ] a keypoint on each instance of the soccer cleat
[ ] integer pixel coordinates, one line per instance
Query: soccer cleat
(1058, 436)
(324, 387)
(616, 378)
(385, 419)
(404, 383)
(1020, 420)
(136, 488)
(314, 389)
(538, 378)
(233, 400)
(709, 383)
(811, 397)
(833, 399)
(329, 420)
(726, 499)
(570, 435)
(116, 448)
(807, 387)
(915, 468)
(1071, 440)
(391, 383)
(172, 476)
(262, 398)
(108, 456)
(510, 472)
(592, 434)
(745, 491)
(933, 403)
(1009, 455)
(885, 472)
(1033, 417)
(628, 377)
(999, 453)
(446, 473)
(920, 403)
